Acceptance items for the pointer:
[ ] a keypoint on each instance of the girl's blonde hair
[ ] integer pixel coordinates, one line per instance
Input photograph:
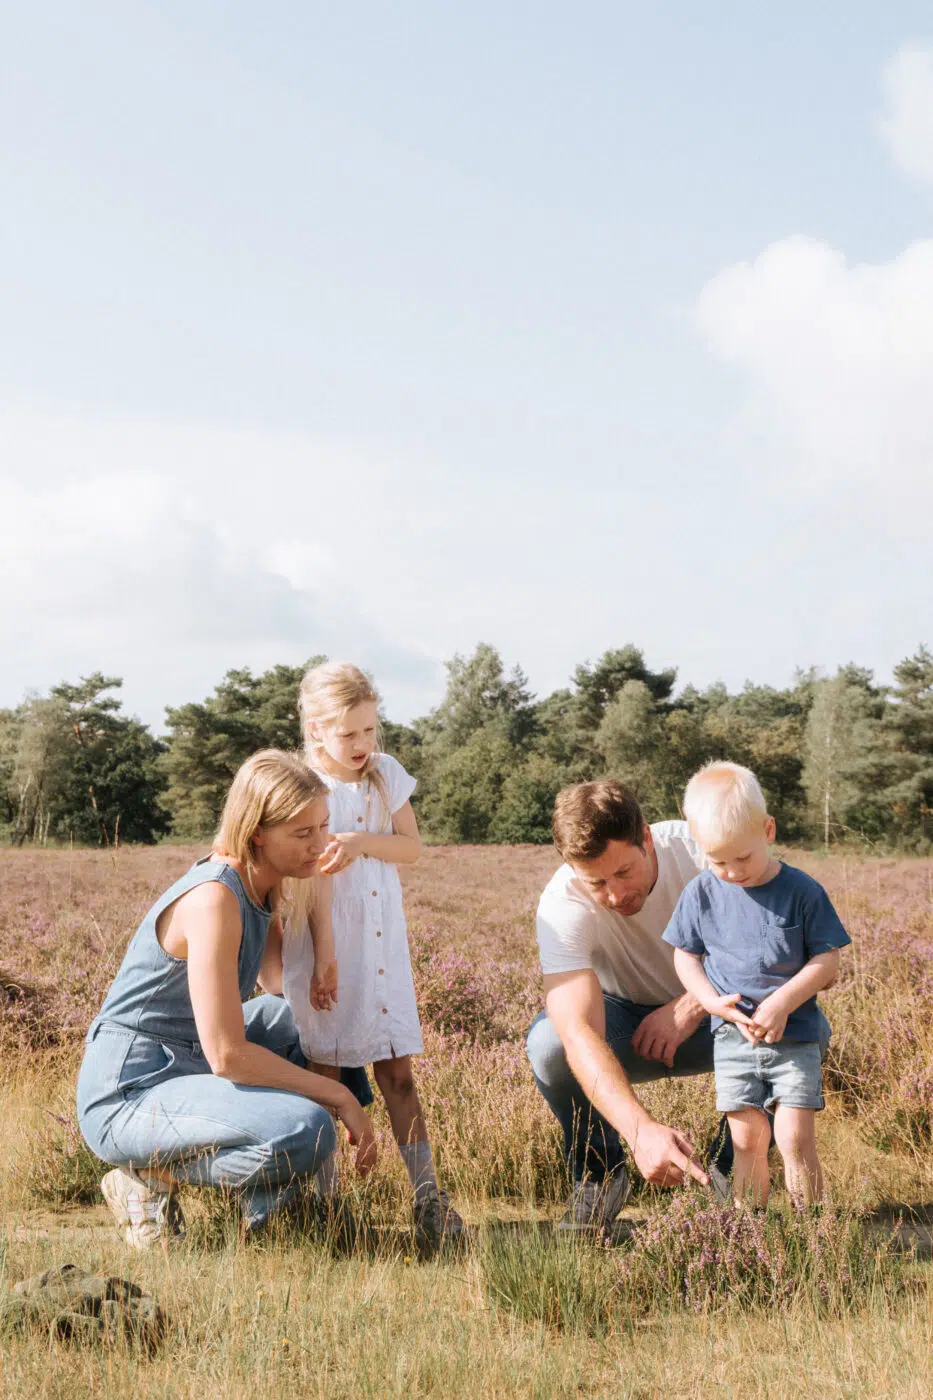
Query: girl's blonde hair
(269, 788)
(723, 801)
(326, 693)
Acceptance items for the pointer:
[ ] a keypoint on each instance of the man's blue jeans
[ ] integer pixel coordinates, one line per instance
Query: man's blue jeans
(592, 1145)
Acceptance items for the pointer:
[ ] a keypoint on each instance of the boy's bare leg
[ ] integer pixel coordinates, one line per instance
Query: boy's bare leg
(751, 1137)
(795, 1134)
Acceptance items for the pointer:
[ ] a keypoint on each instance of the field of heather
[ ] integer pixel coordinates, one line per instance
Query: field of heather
(691, 1298)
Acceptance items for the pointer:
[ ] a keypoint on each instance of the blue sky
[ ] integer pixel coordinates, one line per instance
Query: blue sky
(384, 330)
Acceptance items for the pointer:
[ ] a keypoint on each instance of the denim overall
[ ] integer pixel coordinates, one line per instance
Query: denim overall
(147, 1095)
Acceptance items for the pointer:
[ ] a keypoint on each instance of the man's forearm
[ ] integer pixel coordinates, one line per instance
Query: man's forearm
(604, 1082)
(688, 1009)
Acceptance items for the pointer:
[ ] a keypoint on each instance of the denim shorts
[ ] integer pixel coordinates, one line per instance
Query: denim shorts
(761, 1076)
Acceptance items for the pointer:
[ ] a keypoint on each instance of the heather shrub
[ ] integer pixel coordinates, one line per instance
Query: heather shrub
(468, 996)
(694, 1254)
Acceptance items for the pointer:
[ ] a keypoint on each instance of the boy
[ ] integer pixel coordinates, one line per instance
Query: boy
(751, 927)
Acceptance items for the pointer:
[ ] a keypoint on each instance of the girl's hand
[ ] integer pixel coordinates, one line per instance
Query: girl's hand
(770, 1020)
(360, 1131)
(341, 850)
(725, 1007)
(324, 985)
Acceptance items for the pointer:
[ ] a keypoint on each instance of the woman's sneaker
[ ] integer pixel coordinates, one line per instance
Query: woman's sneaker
(144, 1215)
(594, 1205)
(436, 1221)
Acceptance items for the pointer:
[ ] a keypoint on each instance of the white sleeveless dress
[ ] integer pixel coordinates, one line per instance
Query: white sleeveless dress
(376, 1017)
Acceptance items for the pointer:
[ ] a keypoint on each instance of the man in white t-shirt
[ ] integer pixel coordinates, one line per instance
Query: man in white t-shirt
(616, 1013)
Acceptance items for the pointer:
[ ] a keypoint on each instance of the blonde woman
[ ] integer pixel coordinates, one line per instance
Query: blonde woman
(186, 1082)
(348, 973)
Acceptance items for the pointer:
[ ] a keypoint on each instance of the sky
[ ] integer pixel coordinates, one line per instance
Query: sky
(386, 330)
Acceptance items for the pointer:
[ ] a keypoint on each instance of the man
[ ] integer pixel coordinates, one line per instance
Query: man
(616, 1013)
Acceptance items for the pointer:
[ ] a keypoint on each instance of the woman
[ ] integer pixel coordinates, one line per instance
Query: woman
(183, 1081)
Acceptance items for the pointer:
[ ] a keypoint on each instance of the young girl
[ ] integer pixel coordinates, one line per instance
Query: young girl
(347, 971)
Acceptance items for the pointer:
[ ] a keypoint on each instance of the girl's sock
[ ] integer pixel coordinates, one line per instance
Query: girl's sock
(420, 1167)
(327, 1176)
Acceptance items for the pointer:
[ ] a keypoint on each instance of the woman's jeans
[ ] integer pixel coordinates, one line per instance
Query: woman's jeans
(592, 1145)
(150, 1102)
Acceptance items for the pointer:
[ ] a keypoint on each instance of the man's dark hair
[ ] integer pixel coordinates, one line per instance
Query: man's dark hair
(587, 816)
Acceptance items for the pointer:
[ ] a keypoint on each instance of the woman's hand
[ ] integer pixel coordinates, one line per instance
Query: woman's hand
(342, 850)
(323, 994)
(360, 1130)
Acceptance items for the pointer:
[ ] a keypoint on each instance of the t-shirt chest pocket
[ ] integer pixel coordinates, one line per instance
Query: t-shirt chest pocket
(781, 948)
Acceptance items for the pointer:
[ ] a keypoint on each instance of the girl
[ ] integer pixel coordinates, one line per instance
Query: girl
(347, 972)
(161, 1088)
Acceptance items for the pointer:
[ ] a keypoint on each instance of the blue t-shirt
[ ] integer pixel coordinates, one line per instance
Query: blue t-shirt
(753, 940)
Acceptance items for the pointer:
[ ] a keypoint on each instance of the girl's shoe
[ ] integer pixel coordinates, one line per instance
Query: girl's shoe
(436, 1221)
(144, 1215)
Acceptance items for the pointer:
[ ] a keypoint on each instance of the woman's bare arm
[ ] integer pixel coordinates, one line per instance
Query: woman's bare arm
(213, 932)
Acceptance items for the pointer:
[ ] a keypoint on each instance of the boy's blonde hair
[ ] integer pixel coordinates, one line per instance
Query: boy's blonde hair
(269, 788)
(723, 801)
(326, 693)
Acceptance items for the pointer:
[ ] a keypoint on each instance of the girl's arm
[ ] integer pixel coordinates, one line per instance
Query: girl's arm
(213, 931)
(815, 976)
(320, 922)
(690, 970)
(401, 847)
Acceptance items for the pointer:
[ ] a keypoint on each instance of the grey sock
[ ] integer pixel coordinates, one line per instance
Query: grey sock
(419, 1164)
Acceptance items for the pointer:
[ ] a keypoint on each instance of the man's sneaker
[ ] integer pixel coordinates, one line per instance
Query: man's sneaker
(720, 1185)
(594, 1205)
(436, 1221)
(146, 1216)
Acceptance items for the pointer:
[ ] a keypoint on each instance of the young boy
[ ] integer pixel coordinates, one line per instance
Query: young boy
(752, 927)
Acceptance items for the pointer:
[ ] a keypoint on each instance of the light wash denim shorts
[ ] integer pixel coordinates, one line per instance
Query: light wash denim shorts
(761, 1076)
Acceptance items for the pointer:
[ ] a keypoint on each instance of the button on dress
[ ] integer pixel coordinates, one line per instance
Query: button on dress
(376, 1017)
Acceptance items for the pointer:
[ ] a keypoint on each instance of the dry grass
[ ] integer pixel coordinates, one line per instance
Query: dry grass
(299, 1316)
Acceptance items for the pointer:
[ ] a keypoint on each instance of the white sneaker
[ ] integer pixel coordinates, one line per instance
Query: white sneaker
(144, 1215)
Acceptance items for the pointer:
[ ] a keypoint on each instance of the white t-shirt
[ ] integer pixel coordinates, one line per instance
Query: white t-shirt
(625, 951)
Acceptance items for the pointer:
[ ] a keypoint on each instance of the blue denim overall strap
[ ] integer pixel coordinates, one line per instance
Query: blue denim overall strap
(150, 991)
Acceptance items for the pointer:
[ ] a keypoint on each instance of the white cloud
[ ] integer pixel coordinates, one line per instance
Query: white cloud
(838, 364)
(165, 572)
(837, 357)
(907, 122)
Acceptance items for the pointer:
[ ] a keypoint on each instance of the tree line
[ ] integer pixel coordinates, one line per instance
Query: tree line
(840, 757)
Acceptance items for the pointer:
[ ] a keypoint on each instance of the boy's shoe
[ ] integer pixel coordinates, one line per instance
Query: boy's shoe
(146, 1216)
(436, 1221)
(594, 1205)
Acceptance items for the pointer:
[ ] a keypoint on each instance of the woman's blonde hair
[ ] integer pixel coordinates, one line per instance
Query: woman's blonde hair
(326, 693)
(724, 801)
(269, 788)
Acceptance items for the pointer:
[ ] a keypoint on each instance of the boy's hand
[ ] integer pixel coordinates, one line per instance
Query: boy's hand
(770, 1020)
(324, 985)
(341, 850)
(726, 1008)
